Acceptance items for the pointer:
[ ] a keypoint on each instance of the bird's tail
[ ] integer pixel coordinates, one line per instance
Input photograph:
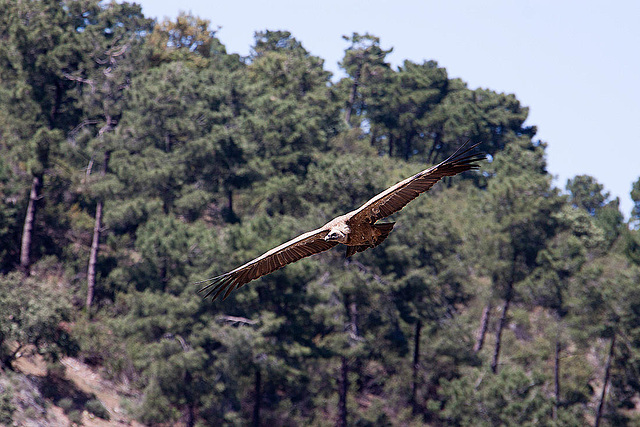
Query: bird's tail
(384, 229)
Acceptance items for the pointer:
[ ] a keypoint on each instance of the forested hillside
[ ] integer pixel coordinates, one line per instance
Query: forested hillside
(139, 157)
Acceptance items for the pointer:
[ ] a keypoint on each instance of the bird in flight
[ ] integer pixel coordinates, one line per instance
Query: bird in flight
(357, 229)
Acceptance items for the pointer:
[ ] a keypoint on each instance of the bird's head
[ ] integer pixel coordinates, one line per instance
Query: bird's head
(337, 234)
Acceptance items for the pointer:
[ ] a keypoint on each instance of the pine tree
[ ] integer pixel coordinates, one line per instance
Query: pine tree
(110, 40)
(586, 193)
(521, 225)
(577, 240)
(364, 62)
(632, 237)
(33, 321)
(401, 110)
(635, 196)
(37, 102)
(605, 300)
(187, 39)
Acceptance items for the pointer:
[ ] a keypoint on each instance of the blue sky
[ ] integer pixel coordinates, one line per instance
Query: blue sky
(575, 64)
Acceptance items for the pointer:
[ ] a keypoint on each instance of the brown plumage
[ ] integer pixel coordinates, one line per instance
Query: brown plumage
(357, 229)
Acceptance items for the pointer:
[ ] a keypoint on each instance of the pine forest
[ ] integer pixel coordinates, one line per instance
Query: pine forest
(138, 157)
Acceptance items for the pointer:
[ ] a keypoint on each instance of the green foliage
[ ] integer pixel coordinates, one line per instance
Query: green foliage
(635, 196)
(66, 404)
(97, 408)
(511, 398)
(156, 407)
(578, 236)
(188, 39)
(364, 62)
(525, 208)
(10, 211)
(7, 408)
(586, 193)
(32, 314)
(164, 247)
(75, 416)
(632, 245)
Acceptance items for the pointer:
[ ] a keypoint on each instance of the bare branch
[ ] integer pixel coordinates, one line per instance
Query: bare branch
(81, 80)
(84, 123)
(183, 343)
(89, 167)
(235, 319)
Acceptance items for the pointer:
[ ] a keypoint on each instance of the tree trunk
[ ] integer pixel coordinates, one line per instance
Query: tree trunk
(556, 378)
(484, 325)
(351, 327)
(501, 326)
(191, 415)
(55, 108)
(190, 418)
(607, 372)
(257, 397)
(93, 258)
(95, 243)
(27, 231)
(230, 214)
(407, 147)
(352, 96)
(374, 135)
(353, 315)
(344, 387)
(416, 361)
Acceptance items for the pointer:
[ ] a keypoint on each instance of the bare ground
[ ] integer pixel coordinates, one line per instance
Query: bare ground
(86, 381)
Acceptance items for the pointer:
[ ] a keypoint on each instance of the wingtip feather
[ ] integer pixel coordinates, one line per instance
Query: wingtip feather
(215, 285)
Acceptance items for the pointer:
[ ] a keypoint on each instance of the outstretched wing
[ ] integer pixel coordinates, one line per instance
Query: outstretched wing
(397, 197)
(302, 246)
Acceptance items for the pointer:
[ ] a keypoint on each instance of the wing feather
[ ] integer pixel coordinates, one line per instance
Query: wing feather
(301, 247)
(398, 196)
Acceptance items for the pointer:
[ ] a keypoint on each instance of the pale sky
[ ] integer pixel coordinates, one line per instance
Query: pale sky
(575, 64)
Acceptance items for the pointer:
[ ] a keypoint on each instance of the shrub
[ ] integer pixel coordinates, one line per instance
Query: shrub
(97, 408)
(66, 404)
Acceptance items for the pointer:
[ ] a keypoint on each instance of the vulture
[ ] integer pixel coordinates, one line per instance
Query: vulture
(358, 229)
